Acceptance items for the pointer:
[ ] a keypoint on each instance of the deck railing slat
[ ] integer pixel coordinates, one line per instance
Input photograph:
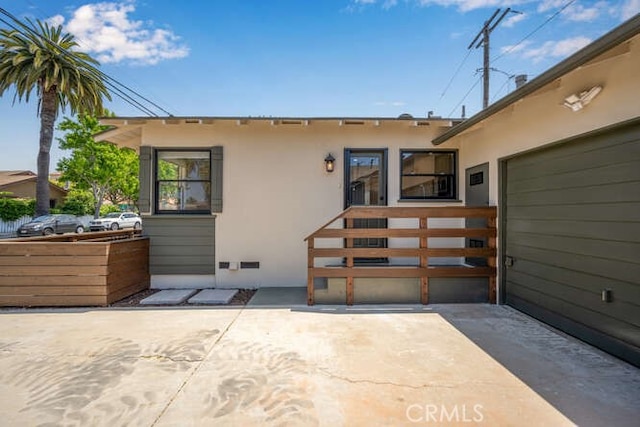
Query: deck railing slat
(350, 270)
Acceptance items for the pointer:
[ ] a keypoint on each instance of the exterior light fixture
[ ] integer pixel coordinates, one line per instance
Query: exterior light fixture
(329, 163)
(577, 102)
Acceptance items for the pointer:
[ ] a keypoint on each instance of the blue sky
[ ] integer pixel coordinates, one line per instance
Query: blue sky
(305, 58)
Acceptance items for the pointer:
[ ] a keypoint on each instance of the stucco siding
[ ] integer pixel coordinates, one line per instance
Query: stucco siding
(275, 188)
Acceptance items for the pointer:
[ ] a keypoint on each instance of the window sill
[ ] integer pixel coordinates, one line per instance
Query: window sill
(430, 201)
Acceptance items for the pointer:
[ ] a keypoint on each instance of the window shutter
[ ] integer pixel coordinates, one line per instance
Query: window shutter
(144, 199)
(216, 179)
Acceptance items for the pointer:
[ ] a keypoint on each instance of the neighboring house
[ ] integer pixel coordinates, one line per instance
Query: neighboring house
(22, 184)
(228, 201)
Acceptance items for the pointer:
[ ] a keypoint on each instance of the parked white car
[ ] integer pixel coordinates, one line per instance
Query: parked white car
(116, 221)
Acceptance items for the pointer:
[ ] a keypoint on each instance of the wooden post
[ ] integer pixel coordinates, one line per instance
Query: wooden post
(491, 261)
(424, 263)
(310, 275)
(349, 279)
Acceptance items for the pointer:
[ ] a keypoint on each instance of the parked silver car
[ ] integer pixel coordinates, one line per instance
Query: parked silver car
(116, 221)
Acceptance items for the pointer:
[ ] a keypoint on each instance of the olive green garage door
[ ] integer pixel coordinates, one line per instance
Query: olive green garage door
(571, 221)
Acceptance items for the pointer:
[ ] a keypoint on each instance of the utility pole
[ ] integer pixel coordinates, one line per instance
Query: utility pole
(482, 39)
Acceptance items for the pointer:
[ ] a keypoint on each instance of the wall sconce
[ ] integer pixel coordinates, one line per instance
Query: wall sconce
(577, 102)
(329, 163)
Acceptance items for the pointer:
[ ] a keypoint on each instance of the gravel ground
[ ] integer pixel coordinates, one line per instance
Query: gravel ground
(241, 298)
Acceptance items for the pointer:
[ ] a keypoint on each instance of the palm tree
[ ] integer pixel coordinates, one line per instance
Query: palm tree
(41, 58)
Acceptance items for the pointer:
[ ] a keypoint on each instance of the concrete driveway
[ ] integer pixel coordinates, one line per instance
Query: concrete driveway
(294, 365)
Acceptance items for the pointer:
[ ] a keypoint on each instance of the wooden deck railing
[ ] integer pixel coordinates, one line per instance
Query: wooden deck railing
(422, 270)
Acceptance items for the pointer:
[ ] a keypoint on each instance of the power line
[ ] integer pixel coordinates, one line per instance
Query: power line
(454, 75)
(107, 79)
(506, 52)
(465, 96)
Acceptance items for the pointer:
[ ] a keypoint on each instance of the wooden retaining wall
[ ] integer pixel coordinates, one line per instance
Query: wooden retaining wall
(90, 269)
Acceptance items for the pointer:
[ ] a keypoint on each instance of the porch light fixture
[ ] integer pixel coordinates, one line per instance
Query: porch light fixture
(329, 163)
(577, 102)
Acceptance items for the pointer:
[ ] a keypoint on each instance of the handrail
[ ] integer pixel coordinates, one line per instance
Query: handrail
(349, 270)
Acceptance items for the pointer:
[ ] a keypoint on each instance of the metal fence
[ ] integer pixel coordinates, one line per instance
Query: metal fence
(9, 228)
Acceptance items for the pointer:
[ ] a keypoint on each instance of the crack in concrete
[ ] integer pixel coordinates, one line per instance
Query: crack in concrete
(374, 382)
(196, 369)
(411, 386)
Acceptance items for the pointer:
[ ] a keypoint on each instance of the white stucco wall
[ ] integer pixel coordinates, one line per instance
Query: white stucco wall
(275, 188)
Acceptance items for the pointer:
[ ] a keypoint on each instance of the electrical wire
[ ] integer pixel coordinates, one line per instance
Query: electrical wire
(506, 52)
(511, 48)
(108, 80)
(465, 96)
(454, 75)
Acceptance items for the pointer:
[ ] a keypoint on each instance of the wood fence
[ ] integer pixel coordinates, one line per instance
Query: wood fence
(89, 269)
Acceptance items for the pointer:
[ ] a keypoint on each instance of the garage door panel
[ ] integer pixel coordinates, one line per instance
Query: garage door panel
(573, 157)
(605, 193)
(590, 299)
(610, 212)
(613, 327)
(622, 291)
(613, 250)
(623, 349)
(583, 177)
(572, 226)
(600, 231)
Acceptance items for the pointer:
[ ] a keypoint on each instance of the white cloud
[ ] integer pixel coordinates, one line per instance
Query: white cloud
(512, 20)
(56, 20)
(389, 4)
(578, 13)
(547, 5)
(105, 30)
(462, 5)
(514, 48)
(629, 9)
(556, 49)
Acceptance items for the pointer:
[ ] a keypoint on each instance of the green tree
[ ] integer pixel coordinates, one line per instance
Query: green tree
(78, 202)
(102, 168)
(40, 57)
(127, 183)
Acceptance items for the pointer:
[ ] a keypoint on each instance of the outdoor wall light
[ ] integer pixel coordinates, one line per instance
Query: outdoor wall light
(577, 102)
(329, 163)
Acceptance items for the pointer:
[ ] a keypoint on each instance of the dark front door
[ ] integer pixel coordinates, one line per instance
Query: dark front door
(366, 185)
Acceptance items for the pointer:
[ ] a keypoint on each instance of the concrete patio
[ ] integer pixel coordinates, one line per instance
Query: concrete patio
(277, 362)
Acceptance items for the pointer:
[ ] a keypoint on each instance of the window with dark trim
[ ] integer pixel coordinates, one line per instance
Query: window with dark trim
(183, 181)
(428, 174)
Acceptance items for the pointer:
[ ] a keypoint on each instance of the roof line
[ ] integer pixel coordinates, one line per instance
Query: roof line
(400, 119)
(616, 36)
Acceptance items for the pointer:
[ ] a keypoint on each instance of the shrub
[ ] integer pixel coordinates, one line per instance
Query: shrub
(78, 202)
(106, 209)
(13, 209)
